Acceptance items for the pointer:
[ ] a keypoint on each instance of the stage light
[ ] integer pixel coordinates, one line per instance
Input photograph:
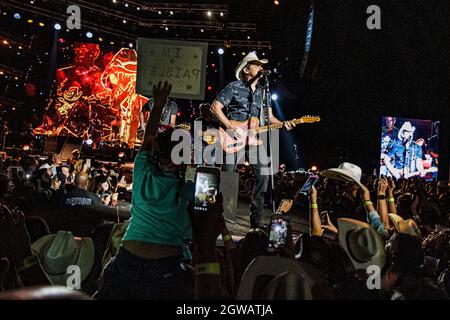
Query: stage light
(5, 42)
(17, 16)
(112, 42)
(89, 142)
(201, 30)
(57, 26)
(221, 14)
(213, 65)
(16, 78)
(100, 39)
(248, 37)
(209, 13)
(114, 1)
(138, 8)
(167, 29)
(130, 45)
(121, 154)
(124, 21)
(159, 12)
(126, 5)
(26, 147)
(243, 53)
(30, 20)
(274, 97)
(220, 51)
(275, 70)
(276, 2)
(41, 24)
(171, 13)
(89, 34)
(209, 88)
(31, 1)
(314, 168)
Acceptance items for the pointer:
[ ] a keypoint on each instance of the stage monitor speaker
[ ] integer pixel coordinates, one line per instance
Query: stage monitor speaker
(229, 185)
(69, 146)
(50, 145)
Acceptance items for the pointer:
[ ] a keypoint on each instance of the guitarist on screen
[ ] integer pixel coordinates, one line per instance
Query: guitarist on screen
(243, 100)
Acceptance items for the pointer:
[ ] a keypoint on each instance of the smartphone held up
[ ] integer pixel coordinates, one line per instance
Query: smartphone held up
(207, 181)
(310, 182)
(278, 232)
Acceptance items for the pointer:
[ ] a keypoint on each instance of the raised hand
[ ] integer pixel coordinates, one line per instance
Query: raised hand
(382, 185)
(161, 93)
(14, 238)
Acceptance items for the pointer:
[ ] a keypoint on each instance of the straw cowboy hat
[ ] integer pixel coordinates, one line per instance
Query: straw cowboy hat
(59, 251)
(346, 171)
(251, 57)
(362, 243)
(408, 226)
(310, 283)
(407, 126)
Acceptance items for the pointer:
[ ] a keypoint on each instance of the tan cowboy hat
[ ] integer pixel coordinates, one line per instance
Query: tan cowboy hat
(251, 57)
(362, 243)
(59, 251)
(346, 171)
(408, 226)
(407, 126)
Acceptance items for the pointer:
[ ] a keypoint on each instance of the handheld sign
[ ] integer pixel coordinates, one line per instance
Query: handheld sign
(181, 63)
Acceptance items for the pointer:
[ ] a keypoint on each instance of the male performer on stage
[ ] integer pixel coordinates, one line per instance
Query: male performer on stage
(168, 117)
(243, 99)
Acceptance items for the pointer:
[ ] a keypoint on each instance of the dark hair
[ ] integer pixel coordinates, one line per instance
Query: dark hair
(406, 253)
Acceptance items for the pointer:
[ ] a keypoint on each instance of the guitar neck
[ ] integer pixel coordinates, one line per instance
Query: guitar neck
(277, 126)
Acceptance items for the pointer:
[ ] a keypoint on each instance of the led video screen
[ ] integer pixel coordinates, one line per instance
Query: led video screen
(94, 94)
(409, 148)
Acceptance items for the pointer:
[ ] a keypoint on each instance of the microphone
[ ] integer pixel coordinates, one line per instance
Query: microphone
(264, 73)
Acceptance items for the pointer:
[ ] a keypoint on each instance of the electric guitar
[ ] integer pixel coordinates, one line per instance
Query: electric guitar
(232, 144)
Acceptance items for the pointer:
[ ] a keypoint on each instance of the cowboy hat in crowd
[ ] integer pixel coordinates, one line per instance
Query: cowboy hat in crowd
(361, 242)
(346, 171)
(59, 251)
(408, 226)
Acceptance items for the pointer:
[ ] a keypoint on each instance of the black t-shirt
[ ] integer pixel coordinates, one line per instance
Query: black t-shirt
(81, 197)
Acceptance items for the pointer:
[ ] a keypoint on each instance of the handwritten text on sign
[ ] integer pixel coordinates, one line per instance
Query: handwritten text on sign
(181, 63)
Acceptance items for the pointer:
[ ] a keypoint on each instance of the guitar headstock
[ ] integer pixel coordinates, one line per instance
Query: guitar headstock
(309, 119)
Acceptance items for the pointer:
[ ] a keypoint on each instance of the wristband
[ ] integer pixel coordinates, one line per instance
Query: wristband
(391, 199)
(26, 263)
(208, 268)
(368, 203)
(226, 237)
(313, 206)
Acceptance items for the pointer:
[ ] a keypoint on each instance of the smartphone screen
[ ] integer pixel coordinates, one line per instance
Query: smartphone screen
(308, 184)
(278, 232)
(207, 182)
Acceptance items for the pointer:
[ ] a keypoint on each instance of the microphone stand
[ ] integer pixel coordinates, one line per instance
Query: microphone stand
(266, 104)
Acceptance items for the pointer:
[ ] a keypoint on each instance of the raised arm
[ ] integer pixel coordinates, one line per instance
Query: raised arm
(381, 201)
(315, 225)
(161, 93)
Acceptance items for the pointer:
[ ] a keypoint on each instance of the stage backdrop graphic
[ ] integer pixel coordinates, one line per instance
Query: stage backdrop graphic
(95, 96)
(409, 148)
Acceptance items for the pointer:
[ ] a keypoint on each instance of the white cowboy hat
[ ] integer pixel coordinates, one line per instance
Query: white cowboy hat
(361, 242)
(346, 171)
(407, 126)
(408, 226)
(59, 251)
(251, 57)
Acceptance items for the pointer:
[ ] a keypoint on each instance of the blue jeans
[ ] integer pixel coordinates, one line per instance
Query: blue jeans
(128, 276)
